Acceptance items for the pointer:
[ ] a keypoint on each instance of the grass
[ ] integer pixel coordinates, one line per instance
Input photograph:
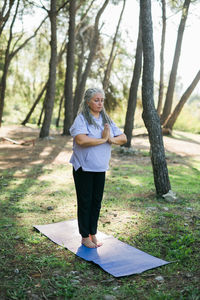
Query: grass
(32, 267)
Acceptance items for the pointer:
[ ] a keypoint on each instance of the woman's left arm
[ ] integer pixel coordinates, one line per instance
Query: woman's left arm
(118, 140)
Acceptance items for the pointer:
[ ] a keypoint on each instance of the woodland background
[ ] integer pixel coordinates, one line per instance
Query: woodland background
(50, 52)
(66, 44)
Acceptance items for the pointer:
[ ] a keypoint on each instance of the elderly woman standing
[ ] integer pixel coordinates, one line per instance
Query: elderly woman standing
(93, 133)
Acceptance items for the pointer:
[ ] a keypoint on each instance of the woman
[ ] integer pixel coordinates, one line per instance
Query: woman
(93, 133)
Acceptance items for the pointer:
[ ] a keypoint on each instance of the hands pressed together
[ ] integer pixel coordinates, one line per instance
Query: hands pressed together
(106, 133)
(118, 140)
(85, 141)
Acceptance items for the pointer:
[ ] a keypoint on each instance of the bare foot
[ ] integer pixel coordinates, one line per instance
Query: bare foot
(95, 241)
(88, 243)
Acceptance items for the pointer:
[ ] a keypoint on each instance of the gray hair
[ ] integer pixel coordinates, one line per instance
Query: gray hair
(85, 111)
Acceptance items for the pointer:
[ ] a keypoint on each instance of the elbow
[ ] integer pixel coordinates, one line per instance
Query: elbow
(79, 141)
(124, 140)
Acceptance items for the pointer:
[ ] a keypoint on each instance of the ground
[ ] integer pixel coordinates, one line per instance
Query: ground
(59, 148)
(37, 188)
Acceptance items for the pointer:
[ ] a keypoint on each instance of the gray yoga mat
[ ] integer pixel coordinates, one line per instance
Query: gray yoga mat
(115, 257)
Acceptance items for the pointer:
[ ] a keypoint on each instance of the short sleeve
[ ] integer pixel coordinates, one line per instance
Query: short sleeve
(116, 131)
(79, 126)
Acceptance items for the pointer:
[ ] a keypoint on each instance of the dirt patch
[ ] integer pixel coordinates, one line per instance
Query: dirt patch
(57, 149)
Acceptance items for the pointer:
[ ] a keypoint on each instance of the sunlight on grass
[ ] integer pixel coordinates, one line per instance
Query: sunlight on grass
(45, 193)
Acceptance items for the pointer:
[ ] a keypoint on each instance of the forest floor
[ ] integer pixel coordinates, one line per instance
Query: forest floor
(183, 144)
(37, 188)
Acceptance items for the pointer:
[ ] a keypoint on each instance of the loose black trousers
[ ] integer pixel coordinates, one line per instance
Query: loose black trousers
(89, 190)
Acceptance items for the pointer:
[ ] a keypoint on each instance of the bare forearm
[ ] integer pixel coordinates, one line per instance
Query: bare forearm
(118, 140)
(86, 141)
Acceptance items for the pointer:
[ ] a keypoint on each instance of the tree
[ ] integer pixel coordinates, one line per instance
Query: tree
(172, 80)
(111, 57)
(68, 90)
(150, 115)
(50, 93)
(94, 42)
(34, 104)
(42, 91)
(173, 117)
(10, 54)
(132, 100)
(161, 83)
(5, 14)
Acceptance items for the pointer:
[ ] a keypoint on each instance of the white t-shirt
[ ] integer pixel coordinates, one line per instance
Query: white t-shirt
(93, 158)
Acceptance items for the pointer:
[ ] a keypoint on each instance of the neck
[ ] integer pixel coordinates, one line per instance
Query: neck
(95, 114)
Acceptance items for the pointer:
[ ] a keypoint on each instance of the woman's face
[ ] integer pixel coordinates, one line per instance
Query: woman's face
(96, 104)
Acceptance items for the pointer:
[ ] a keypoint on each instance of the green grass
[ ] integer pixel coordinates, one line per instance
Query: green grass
(31, 265)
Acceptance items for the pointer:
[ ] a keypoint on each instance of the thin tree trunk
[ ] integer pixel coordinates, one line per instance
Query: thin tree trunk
(41, 113)
(7, 60)
(50, 95)
(150, 115)
(59, 111)
(62, 51)
(172, 79)
(172, 119)
(4, 15)
(80, 91)
(34, 104)
(68, 90)
(161, 84)
(132, 101)
(8, 57)
(110, 60)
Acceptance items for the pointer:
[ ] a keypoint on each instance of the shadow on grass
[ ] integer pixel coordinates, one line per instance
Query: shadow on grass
(33, 265)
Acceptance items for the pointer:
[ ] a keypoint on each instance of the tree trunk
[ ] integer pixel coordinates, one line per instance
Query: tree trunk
(172, 119)
(68, 90)
(41, 113)
(50, 95)
(59, 111)
(7, 61)
(161, 84)
(110, 60)
(132, 101)
(62, 51)
(4, 15)
(80, 91)
(8, 58)
(150, 115)
(172, 79)
(34, 104)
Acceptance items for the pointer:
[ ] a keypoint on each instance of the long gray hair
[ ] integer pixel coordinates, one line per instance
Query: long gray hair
(85, 111)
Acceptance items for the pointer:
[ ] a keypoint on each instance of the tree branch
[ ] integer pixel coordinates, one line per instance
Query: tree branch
(27, 40)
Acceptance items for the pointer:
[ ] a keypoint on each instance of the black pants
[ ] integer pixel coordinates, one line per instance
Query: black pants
(89, 191)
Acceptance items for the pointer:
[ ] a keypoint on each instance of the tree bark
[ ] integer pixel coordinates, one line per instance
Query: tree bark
(80, 90)
(172, 119)
(132, 101)
(172, 80)
(161, 84)
(50, 94)
(150, 115)
(68, 89)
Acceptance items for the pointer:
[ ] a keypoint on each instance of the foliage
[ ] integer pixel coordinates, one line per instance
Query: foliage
(189, 118)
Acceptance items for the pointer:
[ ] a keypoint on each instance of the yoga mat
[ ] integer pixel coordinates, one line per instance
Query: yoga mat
(115, 257)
